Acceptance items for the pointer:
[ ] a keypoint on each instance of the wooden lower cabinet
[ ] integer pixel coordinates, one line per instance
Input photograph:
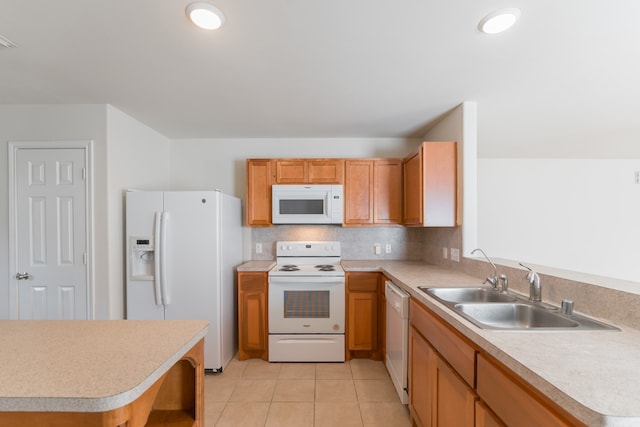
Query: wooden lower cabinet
(437, 394)
(514, 401)
(253, 330)
(419, 379)
(452, 383)
(363, 312)
(485, 417)
(453, 400)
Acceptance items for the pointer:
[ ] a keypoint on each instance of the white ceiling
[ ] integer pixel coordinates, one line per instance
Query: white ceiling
(564, 82)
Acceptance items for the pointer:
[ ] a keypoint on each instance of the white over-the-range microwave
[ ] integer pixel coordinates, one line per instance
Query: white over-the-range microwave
(306, 204)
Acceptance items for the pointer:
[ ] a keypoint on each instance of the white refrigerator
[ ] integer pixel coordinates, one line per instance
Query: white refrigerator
(183, 248)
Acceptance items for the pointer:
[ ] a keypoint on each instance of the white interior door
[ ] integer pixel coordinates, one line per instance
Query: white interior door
(50, 209)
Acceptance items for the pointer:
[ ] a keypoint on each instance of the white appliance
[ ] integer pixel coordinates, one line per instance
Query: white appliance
(306, 204)
(397, 338)
(307, 303)
(182, 250)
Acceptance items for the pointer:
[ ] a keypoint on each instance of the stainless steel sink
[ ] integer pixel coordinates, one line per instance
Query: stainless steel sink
(478, 294)
(490, 309)
(513, 316)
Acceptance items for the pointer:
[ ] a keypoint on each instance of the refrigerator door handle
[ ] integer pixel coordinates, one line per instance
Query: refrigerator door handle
(166, 298)
(156, 259)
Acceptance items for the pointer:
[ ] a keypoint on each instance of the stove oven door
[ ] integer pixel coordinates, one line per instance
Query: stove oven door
(306, 305)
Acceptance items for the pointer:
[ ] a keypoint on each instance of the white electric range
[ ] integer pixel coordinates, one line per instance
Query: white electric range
(307, 303)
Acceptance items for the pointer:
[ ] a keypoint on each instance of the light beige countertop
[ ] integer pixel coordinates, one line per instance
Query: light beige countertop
(257, 266)
(87, 365)
(594, 375)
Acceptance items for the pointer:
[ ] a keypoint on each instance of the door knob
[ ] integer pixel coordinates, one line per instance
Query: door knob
(23, 276)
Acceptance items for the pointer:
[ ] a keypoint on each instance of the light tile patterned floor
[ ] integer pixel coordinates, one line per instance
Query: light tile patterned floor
(256, 393)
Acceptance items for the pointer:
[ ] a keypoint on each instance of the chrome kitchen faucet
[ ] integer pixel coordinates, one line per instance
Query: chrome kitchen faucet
(535, 287)
(493, 280)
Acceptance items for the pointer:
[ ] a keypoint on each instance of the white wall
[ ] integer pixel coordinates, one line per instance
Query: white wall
(220, 163)
(125, 154)
(573, 214)
(47, 123)
(138, 157)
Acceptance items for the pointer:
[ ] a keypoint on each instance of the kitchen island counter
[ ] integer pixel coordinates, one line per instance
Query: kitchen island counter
(593, 375)
(93, 366)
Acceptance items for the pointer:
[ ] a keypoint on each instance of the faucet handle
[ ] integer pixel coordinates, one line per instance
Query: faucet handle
(532, 276)
(504, 283)
(491, 280)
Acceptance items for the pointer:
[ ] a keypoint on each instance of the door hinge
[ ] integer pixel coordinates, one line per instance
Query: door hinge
(84, 258)
(84, 173)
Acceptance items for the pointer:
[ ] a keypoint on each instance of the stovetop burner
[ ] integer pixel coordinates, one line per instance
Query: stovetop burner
(314, 258)
(289, 267)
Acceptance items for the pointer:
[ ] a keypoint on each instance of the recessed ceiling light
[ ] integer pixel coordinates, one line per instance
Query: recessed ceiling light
(499, 21)
(205, 15)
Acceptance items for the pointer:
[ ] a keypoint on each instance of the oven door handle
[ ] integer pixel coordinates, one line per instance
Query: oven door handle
(304, 280)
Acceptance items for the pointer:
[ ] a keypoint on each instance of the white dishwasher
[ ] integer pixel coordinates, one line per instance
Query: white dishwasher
(397, 335)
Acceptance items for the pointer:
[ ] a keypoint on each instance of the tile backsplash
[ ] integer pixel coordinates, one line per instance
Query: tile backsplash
(358, 243)
(425, 244)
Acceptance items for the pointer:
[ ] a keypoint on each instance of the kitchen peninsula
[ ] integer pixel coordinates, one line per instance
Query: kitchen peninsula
(584, 377)
(592, 375)
(102, 373)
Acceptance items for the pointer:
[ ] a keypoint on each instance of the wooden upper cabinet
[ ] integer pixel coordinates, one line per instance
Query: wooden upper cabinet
(387, 191)
(373, 191)
(328, 171)
(430, 186)
(259, 180)
(309, 171)
(358, 192)
(291, 171)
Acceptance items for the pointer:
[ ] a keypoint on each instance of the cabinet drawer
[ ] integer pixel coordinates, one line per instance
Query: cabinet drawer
(453, 347)
(362, 282)
(512, 401)
(253, 283)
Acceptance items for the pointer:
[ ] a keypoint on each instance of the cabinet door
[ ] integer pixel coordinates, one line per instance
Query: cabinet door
(486, 418)
(358, 192)
(252, 316)
(413, 189)
(363, 313)
(420, 393)
(387, 191)
(523, 407)
(430, 186)
(291, 171)
(259, 180)
(440, 187)
(363, 320)
(325, 171)
(453, 401)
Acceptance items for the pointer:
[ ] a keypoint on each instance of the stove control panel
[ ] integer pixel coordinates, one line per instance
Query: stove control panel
(301, 249)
